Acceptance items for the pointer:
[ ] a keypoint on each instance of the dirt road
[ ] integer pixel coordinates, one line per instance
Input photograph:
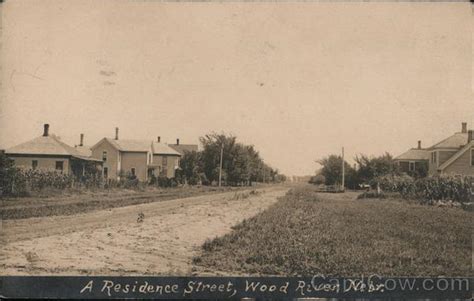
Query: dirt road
(115, 242)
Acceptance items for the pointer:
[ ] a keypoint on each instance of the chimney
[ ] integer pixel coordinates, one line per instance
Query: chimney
(177, 141)
(464, 127)
(470, 136)
(46, 130)
(81, 142)
(116, 133)
(158, 139)
(419, 144)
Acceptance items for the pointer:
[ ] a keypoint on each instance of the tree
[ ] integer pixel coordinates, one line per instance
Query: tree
(372, 167)
(241, 164)
(332, 170)
(191, 167)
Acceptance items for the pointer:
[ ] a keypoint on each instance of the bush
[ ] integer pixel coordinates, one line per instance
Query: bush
(165, 182)
(318, 180)
(129, 183)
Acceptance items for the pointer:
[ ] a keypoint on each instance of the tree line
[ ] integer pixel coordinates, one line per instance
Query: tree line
(366, 170)
(241, 164)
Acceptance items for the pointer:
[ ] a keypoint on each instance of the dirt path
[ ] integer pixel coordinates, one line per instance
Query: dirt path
(112, 242)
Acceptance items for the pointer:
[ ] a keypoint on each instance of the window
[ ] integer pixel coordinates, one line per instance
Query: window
(132, 171)
(434, 157)
(411, 167)
(104, 156)
(34, 164)
(59, 165)
(106, 173)
(472, 156)
(164, 163)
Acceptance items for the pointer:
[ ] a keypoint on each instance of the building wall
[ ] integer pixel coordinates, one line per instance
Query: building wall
(461, 166)
(113, 158)
(172, 163)
(135, 160)
(48, 163)
(443, 156)
(404, 165)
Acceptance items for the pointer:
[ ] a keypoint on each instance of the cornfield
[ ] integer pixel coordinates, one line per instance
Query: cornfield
(447, 187)
(21, 182)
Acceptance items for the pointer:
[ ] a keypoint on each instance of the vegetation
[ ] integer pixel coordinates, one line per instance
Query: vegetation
(332, 172)
(454, 188)
(304, 234)
(318, 179)
(191, 169)
(241, 164)
(369, 169)
(21, 182)
(372, 167)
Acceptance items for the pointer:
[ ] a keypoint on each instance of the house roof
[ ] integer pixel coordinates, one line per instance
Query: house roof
(164, 149)
(454, 157)
(455, 141)
(47, 145)
(414, 154)
(182, 148)
(129, 145)
(84, 150)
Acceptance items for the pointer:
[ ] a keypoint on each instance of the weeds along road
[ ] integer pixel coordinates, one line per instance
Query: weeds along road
(116, 242)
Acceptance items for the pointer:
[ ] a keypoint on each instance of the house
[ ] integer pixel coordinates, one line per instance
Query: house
(48, 152)
(183, 148)
(453, 155)
(165, 160)
(139, 158)
(414, 161)
(83, 149)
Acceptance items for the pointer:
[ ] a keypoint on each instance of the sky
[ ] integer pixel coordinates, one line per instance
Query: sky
(296, 80)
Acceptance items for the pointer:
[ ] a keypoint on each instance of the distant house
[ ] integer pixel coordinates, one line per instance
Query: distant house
(453, 155)
(83, 149)
(414, 161)
(48, 152)
(183, 148)
(165, 160)
(139, 158)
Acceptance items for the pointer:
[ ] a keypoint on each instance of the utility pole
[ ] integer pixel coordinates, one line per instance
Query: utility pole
(220, 165)
(343, 176)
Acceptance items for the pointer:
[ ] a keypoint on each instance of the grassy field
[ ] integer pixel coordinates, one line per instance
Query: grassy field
(86, 201)
(307, 232)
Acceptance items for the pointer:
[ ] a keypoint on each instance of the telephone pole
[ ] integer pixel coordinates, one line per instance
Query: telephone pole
(220, 165)
(343, 176)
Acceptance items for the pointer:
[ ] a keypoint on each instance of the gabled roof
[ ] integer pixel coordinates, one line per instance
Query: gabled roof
(84, 150)
(457, 140)
(128, 145)
(164, 149)
(456, 155)
(46, 145)
(182, 148)
(414, 154)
